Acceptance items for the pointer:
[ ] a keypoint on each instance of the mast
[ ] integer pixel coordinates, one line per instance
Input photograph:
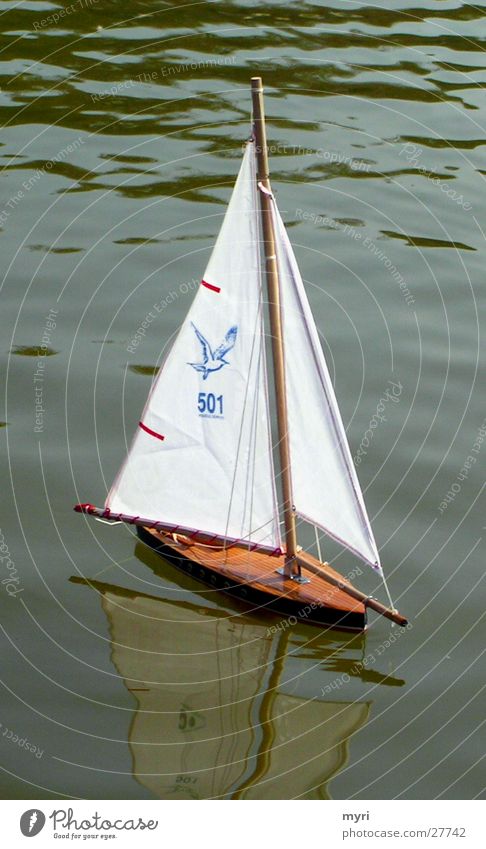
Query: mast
(291, 568)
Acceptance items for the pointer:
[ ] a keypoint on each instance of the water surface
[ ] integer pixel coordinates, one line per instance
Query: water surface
(121, 139)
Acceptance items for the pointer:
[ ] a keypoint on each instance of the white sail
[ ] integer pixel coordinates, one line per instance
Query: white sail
(201, 457)
(325, 486)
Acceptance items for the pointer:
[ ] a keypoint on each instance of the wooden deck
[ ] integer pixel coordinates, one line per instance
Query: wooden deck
(252, 577)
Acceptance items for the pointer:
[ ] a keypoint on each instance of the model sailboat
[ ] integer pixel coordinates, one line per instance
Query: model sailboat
(199, 480)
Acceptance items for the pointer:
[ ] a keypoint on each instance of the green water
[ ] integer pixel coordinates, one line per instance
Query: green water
(121, 136)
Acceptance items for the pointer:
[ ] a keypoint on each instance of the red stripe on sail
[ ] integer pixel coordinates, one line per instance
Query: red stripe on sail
(210, 286)
(151, 432)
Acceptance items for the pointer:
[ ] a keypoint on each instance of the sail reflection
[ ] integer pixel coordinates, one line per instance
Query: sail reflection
(229, 704)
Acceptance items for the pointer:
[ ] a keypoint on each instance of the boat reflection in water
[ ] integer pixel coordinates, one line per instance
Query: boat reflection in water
(230, 704)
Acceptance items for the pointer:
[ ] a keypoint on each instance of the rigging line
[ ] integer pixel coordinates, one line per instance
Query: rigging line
(249, 480)
(277, 522)
(251, 470)
(390, 600)
(276, 514)
(253, 441)
(261, 378)
(318, 543)
(250, 477)
(238, 447)
(253, 447)
(257, 318)
(285, 469)
(240, 436)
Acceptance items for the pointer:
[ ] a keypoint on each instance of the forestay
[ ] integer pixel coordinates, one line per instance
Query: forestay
(325, 486)
(201, 457)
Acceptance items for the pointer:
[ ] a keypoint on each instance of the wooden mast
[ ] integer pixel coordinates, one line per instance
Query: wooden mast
(295, 559)
(273, 288)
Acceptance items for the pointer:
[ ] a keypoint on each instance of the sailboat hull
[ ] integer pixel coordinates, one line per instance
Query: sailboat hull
(252, 577)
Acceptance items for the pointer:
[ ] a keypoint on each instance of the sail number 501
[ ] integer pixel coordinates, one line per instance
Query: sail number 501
(207, 402)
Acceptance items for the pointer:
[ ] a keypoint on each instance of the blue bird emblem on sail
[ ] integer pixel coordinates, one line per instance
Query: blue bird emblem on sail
(214, 360)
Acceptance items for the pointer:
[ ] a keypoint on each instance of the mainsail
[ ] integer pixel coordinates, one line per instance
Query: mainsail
(325, 486)
(201, 457)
